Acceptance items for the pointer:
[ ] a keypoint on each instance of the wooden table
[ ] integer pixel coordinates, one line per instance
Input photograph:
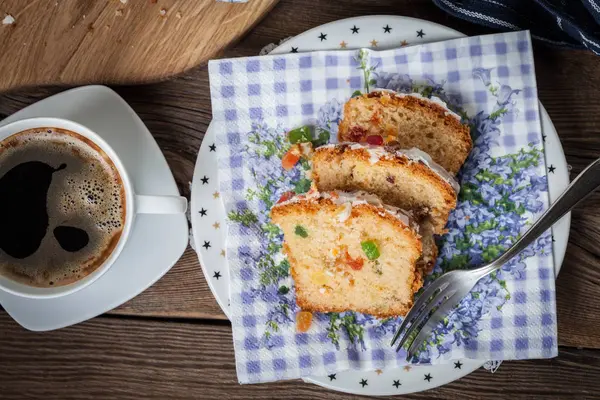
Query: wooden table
(173, 341)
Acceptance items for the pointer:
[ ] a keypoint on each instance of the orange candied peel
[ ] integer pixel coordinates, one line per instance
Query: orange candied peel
(285, 197)
(345, 259)
(290, 159)
(295, 153)
(303, 321)
(355, 263)
(335, 252)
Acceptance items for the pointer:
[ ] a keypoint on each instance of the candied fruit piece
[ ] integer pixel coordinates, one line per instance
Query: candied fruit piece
(303, 321)
(375, 140)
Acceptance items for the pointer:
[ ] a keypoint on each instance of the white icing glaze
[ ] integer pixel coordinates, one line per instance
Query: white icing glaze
(419, 155)
(377, 153)
(432, 99)
(360, 197)
(353, 199)
(345, 214)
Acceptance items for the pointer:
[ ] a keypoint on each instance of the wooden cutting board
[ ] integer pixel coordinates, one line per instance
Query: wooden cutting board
(115, 41)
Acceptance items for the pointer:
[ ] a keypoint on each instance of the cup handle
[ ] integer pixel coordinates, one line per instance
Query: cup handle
(160, 204)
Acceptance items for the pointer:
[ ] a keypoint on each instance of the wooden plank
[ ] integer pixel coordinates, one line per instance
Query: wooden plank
(178, 112)
(130, 359)
(78, 42)
(181, 293)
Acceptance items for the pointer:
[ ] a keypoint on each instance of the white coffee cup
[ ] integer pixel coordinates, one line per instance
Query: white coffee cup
(134, 203)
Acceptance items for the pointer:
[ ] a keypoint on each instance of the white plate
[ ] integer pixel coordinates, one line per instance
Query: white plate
(208, 209)
(156, 241)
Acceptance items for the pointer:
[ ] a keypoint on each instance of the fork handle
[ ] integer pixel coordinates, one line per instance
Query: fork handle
(581, 187)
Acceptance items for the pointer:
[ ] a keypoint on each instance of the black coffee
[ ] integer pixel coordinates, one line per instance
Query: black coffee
(62, 207)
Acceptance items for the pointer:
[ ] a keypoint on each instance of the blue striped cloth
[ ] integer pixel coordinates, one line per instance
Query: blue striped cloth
(564, 23)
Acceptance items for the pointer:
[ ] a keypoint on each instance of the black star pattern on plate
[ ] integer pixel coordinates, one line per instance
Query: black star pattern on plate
(363, 382)
(204, 180)
(206, 245)
(387, 29)
(544, 137)
(354, 29)
(396, 384)
(202, 212)
(217, 275)
(428, 377)
(294, 50)
(420, 33)
(331, 377)
(323, 36)
(458, 365)
(212, 147)
(553, 239)
(551, 169)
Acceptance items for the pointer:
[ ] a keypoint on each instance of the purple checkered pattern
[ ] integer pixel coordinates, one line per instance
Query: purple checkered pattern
(286, 91)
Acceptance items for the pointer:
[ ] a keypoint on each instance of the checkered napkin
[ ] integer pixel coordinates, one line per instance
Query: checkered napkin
(491, 80)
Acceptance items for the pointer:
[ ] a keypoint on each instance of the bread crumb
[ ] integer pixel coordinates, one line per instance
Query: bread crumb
(123, 1)
(163, 12)
(119, 13)
(178, 15)
(8, 20)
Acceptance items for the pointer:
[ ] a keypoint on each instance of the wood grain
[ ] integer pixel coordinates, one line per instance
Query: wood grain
(178, 112)
(169, 343)
(78, 42)
(127, 358)
(193, 300)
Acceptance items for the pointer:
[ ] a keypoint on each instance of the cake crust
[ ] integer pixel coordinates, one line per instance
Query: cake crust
(394, 177)
(410, 120)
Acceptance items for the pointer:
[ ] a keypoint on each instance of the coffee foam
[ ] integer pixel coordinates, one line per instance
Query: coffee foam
(87, 194)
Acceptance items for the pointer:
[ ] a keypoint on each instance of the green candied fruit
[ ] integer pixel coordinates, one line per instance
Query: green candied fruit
(371, 250)
(322, 139)
(300, 135)
(301, 231)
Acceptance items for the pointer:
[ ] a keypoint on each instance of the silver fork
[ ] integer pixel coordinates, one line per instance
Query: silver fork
(448, 290)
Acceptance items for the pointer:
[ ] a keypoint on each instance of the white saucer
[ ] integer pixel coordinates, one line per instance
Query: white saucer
(156, 241)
